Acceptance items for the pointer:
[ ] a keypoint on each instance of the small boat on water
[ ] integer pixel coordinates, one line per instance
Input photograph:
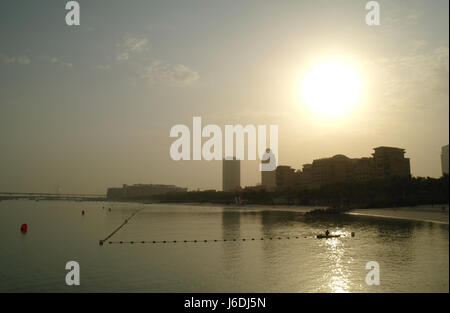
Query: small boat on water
(321, 236)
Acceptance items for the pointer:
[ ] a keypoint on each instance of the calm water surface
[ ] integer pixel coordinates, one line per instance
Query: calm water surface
(413, 255)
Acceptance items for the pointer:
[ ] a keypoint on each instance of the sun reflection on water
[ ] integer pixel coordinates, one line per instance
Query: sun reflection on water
(339, 276)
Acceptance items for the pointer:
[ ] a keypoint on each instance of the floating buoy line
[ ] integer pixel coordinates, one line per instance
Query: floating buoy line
(118, 228)
(101, 242)
(213, 240)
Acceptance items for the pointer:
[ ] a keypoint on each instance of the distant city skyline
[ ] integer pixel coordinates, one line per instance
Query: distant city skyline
(88, 107)
(385, 163)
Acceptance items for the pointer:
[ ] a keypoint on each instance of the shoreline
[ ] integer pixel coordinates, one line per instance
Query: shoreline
(421, 213)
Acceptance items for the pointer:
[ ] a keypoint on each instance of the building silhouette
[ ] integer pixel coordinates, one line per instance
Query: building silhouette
(285, 176)
(139, 191)
(444, 160)
(390, 162)
(231, 174)
(268, 180)
(386, 162)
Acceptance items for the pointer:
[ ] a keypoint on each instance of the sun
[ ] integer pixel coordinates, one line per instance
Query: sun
(331, 88)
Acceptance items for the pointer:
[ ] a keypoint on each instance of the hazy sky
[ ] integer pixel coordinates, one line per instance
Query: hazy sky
(91, 106)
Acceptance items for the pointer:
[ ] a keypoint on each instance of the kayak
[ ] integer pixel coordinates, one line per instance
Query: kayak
(321, 236)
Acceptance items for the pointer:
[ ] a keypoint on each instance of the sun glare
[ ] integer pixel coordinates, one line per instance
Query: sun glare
(331, 89)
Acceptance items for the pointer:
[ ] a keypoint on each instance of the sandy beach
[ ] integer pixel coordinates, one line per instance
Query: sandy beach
(427, 213)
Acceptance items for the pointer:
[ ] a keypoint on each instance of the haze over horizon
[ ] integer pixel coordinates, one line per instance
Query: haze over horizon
(91, 107)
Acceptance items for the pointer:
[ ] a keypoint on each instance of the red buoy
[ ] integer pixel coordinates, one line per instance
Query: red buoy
(24, 228)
